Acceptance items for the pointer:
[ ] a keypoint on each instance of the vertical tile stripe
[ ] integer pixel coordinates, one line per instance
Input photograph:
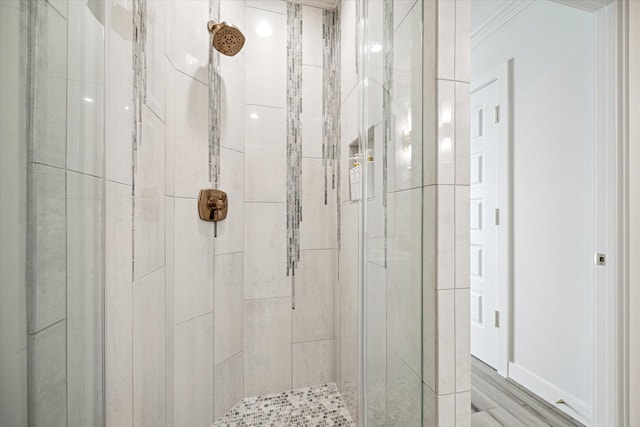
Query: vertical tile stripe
(294, 140)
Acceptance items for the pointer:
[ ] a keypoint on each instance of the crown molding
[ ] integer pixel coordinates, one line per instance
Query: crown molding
(501, 17)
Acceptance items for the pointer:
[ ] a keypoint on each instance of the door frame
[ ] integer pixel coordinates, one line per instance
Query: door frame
(611, 147)
(501, 75)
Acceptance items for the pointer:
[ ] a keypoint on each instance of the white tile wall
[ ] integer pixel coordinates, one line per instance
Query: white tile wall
(446, 24)
(312, 108)
(193, 372)
(47, 293)
(312, 44)
(85, 54)
(232, 102)
(149, 350)
(85, 129)
(149, 198)
(49, 145)
(118, 94)
(48, 377)
(232, 174)
(267, 346)
(265, 274)
(266, 57)
(462, 130)
(405, 156)
(118, 292)
(85, 257)
(265, 154)
(312, 363)
(193, 287)
(120, 412)
(228, 384)
(187, 30)
(188, 125)
(313, 318)
(317, 230)
(228, 307)
(445, 237)
(400, 10)
(404, 319)
(403, 396)
(155, 51)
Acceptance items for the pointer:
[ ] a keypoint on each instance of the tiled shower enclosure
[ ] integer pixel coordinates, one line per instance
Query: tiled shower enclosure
(334, 289)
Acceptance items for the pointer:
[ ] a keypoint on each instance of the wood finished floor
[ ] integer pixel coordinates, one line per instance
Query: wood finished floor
(496, 401)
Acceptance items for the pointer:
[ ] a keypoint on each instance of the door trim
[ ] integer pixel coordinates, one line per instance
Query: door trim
(502, 76)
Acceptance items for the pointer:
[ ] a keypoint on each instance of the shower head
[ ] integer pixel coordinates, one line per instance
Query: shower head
(226, 38)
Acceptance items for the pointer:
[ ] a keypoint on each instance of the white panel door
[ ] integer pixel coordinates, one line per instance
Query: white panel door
(484, 273)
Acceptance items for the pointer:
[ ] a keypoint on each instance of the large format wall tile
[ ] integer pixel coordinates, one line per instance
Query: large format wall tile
(49, 144)
(230, 236)
(85, 129)
(188, 126)
(149, 197)
(403, 392)
(193, 287)
(193, 372)
(188, 38)
(120, 412)
(155, 56)
(312, 107)
(404, 283)
(265, 154)
(312, 44)
(232, 96)
(265, 267)
(266, 52)
(85, 257)
(267, 346)
(118, 291)
(228, 306)
(85, 54)
(405, 156)
(348, 256)
(317, 230)
(312, 363)
(47, 293)
(313, 317)
(149, 350)
(47, 366)
(118, 94)
(228, 385)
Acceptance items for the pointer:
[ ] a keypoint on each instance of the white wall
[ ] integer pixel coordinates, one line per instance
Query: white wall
(634, 213)
(552, 48)
(13, 163)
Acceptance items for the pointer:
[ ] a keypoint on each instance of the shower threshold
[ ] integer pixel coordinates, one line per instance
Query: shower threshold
(320, 405)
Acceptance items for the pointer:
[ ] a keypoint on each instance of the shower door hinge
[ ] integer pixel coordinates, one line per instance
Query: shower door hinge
(497, 217)
(496, 114)
(496, 319)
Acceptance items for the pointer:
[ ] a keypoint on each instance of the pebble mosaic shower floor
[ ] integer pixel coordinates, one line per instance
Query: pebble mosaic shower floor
(320, 405)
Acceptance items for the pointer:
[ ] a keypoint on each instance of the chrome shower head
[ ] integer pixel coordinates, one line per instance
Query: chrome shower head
(226, 38)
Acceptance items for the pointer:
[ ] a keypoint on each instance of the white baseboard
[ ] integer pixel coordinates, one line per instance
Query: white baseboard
(573, 407)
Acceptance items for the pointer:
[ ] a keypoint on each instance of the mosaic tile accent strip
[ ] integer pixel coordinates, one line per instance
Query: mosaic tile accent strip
(331, 103)
(387, 87)
(294, 140)
(214, 102)
(139, 61)
(320, 405)
(139, 64)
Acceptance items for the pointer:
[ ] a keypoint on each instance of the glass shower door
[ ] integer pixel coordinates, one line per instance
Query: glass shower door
(392, 122)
